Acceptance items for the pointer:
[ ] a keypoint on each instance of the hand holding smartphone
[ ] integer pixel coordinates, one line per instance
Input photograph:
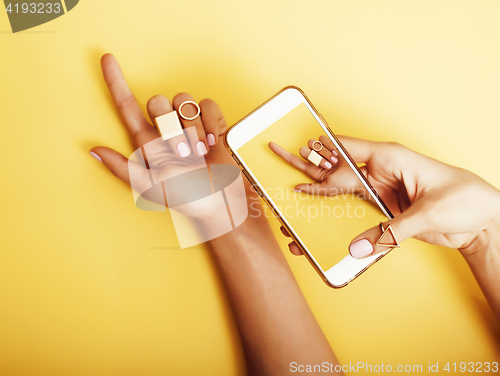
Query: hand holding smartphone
(321, 223)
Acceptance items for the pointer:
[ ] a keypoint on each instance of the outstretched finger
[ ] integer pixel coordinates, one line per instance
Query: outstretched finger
(360, 150)
(137, 125)
(295, 161)
(317, 189)
(121, 167)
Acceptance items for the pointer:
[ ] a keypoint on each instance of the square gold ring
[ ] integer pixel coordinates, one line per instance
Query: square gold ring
(169, 125)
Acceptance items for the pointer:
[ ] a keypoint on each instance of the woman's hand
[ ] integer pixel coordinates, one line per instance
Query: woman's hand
(200, 145)
(250, 263)
(431, 201)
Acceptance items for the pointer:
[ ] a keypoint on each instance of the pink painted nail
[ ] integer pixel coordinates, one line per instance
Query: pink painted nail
(96, 156)
(334, 160)
(335, 153)
(361, 248)
(328, 165)
(211, 139)
(183, 149)
(201, 149)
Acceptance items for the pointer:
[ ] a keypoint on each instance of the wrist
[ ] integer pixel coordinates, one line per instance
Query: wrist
(487, 239)
(483, 258)
(486, 242)
(215, 224)
(254, 229)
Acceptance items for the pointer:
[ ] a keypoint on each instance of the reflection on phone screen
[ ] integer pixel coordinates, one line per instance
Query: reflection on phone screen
(326, 222)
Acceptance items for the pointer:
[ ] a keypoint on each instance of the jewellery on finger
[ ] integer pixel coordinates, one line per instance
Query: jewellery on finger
(320, 146)
(169, 125)
(184, 116)
(385, 231)
(314, 158)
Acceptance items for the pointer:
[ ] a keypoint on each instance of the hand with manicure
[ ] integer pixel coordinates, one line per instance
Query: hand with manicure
(431, 201)
(200, 144)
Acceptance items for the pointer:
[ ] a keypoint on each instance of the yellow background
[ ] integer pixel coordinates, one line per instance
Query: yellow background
(90, 285)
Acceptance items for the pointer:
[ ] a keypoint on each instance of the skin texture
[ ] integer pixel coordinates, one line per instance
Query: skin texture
(431, 201)
(275, 323)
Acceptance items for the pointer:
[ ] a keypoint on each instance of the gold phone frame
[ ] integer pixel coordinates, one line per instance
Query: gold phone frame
(273, 207)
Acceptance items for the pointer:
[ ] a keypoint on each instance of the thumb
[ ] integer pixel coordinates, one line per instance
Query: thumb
(406, 225)
(129, 171)
(315, 189)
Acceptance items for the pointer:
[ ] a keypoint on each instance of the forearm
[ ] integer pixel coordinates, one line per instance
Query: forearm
(483, 257)
(275, 323)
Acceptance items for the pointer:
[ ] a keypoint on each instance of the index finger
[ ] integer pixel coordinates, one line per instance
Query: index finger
(137, 125)
(295, 161)
(360, 150)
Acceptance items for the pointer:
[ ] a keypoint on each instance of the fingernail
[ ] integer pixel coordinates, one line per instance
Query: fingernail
(335, 153)
(297, 190)
(211, 139)
(328, 165)
(201, 149)
(183, 149)
(334, 160)
(96, 156)
(360, 248)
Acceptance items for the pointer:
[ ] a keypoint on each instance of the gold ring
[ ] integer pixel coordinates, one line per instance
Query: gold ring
(321, 146)
(314, 158)
(386, 230)
(169, 125)
(185, 117)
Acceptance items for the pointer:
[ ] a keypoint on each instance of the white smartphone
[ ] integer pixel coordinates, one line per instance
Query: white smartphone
(321, 225)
